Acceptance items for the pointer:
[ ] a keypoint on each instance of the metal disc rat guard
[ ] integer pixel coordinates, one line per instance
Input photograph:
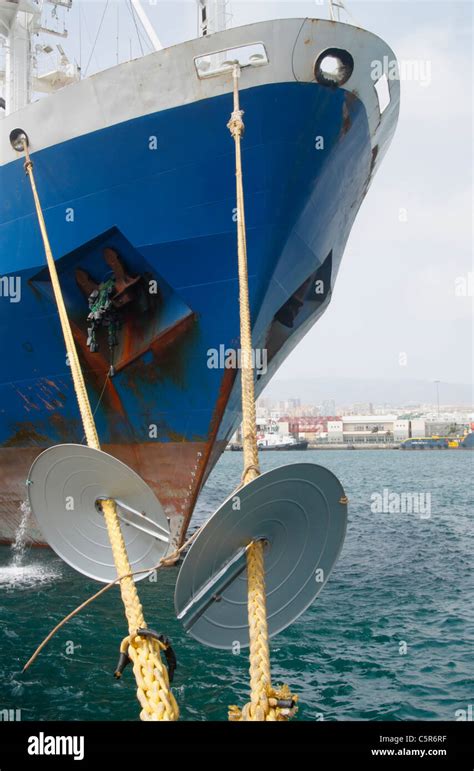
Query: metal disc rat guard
(65, 484)
(300, 511)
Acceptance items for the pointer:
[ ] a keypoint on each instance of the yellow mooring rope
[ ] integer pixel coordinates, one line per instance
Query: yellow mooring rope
(153, 689)
(264, 700)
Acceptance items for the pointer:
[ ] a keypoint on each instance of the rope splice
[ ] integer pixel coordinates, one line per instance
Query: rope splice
(153, 688)
(265, 701)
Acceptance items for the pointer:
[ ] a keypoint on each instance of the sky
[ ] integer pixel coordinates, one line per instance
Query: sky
(402, 305)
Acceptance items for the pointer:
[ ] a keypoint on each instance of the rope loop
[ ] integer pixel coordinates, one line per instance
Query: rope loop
(247, 470)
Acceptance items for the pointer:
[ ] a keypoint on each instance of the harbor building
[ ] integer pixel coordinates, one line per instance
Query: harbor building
(369, 429)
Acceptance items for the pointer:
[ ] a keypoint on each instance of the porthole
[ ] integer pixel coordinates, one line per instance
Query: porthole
(333, 67)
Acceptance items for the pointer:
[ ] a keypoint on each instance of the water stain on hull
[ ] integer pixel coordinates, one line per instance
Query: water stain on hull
(174, 471)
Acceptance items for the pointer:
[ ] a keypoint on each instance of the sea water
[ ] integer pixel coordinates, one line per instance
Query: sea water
(389, 638)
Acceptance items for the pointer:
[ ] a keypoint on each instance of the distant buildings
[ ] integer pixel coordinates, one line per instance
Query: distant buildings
(304, 426)
(375, 425)
(328, 408)
(362, 408)
(368, 429)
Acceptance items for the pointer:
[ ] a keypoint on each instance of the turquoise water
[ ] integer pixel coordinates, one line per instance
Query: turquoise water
(401, 579)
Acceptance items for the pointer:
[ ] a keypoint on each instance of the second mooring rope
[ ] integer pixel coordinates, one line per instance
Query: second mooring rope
(264, 700)
(153, 689)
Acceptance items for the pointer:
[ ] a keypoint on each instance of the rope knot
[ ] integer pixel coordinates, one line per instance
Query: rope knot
(283, 702)
(251, 467)
(236, 125)
(275, 704)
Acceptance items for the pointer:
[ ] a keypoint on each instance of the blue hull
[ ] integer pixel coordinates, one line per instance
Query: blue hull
(169, 214)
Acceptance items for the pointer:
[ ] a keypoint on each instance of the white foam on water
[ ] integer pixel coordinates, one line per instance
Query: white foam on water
(21, 535)
(27, 575)
(18, 575)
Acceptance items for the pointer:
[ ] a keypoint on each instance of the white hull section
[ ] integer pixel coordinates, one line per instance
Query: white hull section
(169, 78)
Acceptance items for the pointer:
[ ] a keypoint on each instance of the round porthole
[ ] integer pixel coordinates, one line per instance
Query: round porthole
(333, 67)
(18, 139)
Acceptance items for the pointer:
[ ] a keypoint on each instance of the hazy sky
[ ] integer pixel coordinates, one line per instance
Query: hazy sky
(395, 298)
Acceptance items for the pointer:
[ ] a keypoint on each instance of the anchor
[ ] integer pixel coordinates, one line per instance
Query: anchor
(107, 299)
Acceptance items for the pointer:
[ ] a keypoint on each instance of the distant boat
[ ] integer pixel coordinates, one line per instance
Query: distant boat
(281, 442)
(438, 443)
(468, 442)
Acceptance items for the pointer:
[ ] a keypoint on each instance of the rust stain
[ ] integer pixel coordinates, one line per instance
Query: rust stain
(169, 360)
(173, 359)
(349, 99)
(28, 403)
(39, 396)
(63, 427)
(61, 394)
(175, 436)
(26, 435)
(213, 449)
(346, 121)
(127, 350)
(95, 368)
(375, 152)
(113, 400)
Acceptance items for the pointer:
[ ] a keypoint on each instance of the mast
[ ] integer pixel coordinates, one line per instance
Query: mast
(213, 16)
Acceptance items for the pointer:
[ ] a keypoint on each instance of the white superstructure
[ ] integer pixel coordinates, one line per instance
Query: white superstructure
(22, 49)
(20, 22)
(213, 16)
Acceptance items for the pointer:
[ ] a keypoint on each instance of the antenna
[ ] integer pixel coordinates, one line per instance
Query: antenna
(339, 6)
(335, 8)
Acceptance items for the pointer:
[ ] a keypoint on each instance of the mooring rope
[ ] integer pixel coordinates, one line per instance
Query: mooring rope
(169, 560)
(153, 689)
(264, 700)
